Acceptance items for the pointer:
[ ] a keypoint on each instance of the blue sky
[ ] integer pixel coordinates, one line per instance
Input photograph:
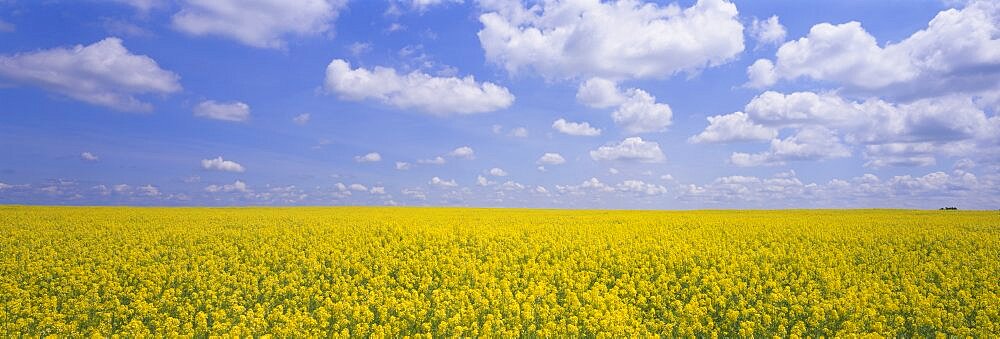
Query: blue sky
(573, 104)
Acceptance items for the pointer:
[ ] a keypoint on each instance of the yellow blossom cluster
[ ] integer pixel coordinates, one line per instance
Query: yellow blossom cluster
(431, 272)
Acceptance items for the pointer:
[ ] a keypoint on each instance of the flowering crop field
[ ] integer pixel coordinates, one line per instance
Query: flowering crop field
(496, 272)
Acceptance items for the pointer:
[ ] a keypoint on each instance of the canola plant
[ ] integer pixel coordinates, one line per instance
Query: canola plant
(440, 272)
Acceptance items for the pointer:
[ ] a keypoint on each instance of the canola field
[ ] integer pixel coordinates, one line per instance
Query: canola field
(441, 272)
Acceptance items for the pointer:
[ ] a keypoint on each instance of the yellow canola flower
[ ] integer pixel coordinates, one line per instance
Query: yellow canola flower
(435, 272)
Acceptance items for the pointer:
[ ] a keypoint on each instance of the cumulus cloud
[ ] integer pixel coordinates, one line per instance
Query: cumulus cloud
(640, 113)
(959, 51)
(900, 154)
(733, 127)
(624, 39)
(370, 157)
(641, 187)
(358, 188)
(483, 181)
(892, 134)
(148, 190)
(432, 161)
(87, 156)
(591, 185)
(402, 165)
(785, 189)
(768, 32)
(435, 181)
(257, 23)
(599, 93)
(575, 128)
(630, 149)
(637, 112)
(302, 119)
(519, 132)
(237, 186)
(812, 143)
(551, 159)
(143, 5)
(498, 172)
(219, 164)
(379, 190)
(511, 185)
(424, 5)
(226, 111)
(434, 95)
(104, 73)
(464, 152)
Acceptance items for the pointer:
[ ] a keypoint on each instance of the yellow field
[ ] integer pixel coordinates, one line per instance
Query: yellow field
(496, 272)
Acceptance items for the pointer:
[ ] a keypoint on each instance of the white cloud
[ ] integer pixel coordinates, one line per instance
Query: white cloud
(640, 113)
(630, 149)
(482, 181)
(637, 112)
(519, 132)
(777, 109)
(423, 5)
(639, 186)
(575, 128)
(959, 51)
(377, 190)
(551, 159)
(237, 186)
(433, 161)
(964, 164)
(613, 171)
(768, 32)
(302, 119)
(892, 134)
(511, 185)
(435, 181)
(370, 157)
(498, 172)
(122, 189)
(761, 74)
(403, 166)
(900, 154)
(785, 190)
(599, 93)
(464, 152)
(414, 193)
(143, 5)
(434, 95)
(225, 111)
(733, 127)
(358, 188)
(87, 156)
(219, 164)
(625, 39)
(592, 184)
(104, 73)
(811, 143)
(257, 23)
(148, 190)
(359, 48)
